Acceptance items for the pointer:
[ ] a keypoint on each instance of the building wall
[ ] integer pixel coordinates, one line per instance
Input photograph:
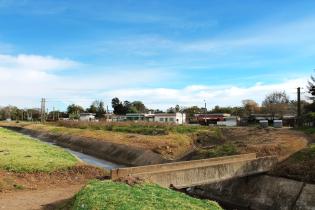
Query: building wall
(87, 118)
(177, 118)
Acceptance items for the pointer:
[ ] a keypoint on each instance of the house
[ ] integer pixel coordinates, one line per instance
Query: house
(87, 117)
(229, 121)
(117, 118)
(135, 116)
(206, 119)
(178, 118)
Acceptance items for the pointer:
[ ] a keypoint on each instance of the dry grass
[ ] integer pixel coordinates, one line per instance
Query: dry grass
(279, 142)
(176, 144)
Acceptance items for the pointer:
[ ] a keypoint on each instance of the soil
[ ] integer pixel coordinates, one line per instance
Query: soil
(44, 190)
(266, 141)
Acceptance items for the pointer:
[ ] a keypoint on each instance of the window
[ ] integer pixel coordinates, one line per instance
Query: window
(161, 119)
(171, 119)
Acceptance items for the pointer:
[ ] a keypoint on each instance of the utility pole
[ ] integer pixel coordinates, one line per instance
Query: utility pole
(42, 110)
(299, 106)
(53, 113)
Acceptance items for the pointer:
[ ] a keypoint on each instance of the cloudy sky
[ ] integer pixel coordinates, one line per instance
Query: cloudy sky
(161, 52)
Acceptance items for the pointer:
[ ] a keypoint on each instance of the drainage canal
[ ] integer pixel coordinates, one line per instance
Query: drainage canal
(87, 158)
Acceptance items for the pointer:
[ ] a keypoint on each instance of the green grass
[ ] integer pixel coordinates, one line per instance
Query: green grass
(306, 154)
(307, 130)
(222, 150)
(19, 153)
(103, 195)
(216, 151)
(144, 128)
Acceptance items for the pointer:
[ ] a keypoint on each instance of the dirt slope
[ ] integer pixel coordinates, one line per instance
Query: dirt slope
(47, 198)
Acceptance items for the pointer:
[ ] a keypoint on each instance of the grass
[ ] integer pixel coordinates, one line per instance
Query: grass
(179, 143)
(144, 128)
(305, 154)
(216, 151)
(103, 195)
(300, 166)
(19, 153)
(307, 130)
(222, 150)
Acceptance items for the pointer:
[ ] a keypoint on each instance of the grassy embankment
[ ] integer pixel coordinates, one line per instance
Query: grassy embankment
(20, 153)
(301, 165)
(104, 195)
(22, 156)
(169, 140)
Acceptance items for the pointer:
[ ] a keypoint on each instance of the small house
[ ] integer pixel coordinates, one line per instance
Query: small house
(87, 117)
(178, 118)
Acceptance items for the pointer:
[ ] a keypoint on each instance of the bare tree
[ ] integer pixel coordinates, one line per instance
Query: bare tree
(250, 106)
(276, 103)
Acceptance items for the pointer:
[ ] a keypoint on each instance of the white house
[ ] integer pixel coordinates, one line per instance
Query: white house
(229, 121)
(87, 117)
(178, 118)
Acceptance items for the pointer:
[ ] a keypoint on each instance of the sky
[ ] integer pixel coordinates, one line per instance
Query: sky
(163, 53)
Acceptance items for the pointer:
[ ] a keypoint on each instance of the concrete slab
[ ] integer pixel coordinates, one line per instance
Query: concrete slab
(192, 173)
(306, 200)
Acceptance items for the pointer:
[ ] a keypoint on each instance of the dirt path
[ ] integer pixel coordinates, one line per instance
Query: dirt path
(37, 199)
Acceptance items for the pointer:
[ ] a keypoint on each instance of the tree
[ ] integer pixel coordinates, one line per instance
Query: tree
(139, 106)
(191, 112)
(74, 111)
(118, 107)
(250, 107)
(171, 110)
(97, 107)
(311, 87)
(276, 103)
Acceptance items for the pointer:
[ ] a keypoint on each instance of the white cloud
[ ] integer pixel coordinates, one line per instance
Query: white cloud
(26, 78)
(296, 33)
(214, 95)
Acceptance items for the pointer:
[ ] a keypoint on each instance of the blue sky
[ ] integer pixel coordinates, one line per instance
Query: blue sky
(162, 52)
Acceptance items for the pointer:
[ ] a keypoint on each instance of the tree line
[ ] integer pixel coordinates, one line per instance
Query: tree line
(275, 104)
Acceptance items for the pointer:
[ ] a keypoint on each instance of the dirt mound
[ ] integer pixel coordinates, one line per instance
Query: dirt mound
(131, 180)
(266, 141)
(300, 166)
(209, 138)
(76, 175)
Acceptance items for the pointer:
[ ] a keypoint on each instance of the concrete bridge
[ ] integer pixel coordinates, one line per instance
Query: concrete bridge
(198, 172)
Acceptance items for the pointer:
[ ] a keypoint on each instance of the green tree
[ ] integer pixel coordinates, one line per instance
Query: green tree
(118, 107)
(97, 107)
(74, 111)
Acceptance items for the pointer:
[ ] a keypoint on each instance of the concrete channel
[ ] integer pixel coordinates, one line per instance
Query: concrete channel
(90, 159)
(261, 192)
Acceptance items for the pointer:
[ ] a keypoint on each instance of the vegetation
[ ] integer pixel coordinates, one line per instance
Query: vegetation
(19, 153)
(276, 103)
(299, 166)
(122, 108)
(97, 107)
(216, 151)
(144, 128)
(104, 195)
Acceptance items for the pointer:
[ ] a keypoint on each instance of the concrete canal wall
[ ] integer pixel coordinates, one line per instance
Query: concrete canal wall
(261, 192)
(192, 173)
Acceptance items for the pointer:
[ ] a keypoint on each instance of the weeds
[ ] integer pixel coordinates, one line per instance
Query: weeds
(144, 128)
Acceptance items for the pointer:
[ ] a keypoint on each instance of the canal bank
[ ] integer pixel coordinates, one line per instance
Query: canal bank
(117, 153)
(258, 192)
